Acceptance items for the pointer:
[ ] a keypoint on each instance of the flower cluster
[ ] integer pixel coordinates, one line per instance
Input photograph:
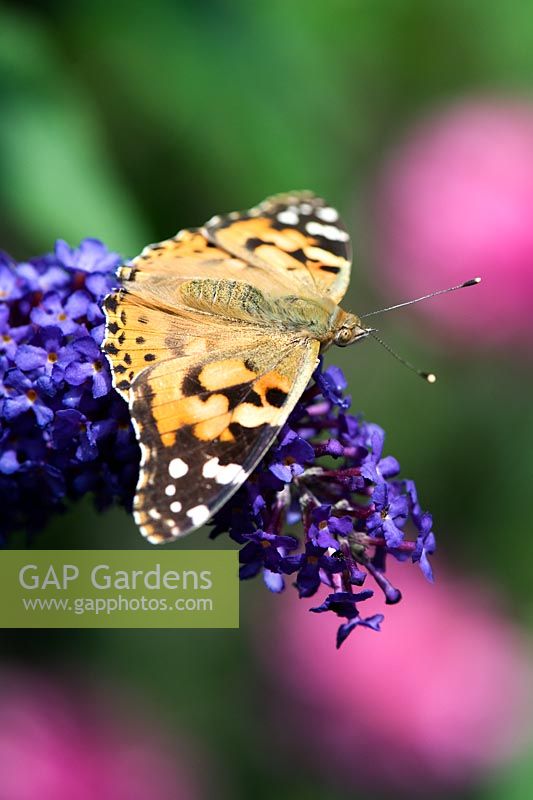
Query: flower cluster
(65, 432)
(327, 473)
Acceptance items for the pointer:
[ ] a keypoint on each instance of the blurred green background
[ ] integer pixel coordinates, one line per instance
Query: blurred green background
(128, 121)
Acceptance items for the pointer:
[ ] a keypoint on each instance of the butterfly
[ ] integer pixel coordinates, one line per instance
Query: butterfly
(213, 337)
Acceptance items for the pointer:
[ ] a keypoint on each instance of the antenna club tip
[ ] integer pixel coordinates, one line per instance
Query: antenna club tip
(472, 282)
(430, 377)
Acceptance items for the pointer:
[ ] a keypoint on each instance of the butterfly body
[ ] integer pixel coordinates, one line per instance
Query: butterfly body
(318, 318)
(212, 340)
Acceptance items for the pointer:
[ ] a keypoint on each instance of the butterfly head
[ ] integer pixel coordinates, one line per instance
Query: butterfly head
(349, 330)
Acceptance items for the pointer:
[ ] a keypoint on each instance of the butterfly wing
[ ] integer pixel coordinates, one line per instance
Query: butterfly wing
(296, 237)
(206, 402)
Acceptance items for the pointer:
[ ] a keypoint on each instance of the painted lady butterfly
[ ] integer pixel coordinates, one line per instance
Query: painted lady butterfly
(212, 340)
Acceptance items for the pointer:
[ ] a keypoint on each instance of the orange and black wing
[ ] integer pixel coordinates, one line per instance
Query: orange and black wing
(297, 237)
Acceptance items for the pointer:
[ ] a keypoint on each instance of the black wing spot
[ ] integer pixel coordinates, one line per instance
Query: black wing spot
(237, 430)
(149, 357)
(111, 303)
(123, 384)
(334, 270)
(241, 393)
(276, 397)
(140, 340)
(253, 243)
(191, 383)
(143, 320)
(127, 359)
(299, 255)
(112, 327)
(123, 317)
(111, 349)
(250, 365)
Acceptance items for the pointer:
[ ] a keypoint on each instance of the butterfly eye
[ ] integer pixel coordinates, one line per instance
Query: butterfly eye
(345, 336)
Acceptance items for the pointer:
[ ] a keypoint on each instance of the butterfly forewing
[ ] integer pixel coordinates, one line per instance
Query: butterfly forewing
(295, 235)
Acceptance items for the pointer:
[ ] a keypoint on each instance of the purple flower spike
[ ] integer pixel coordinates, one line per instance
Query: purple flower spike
(355, 514)
(65, 432)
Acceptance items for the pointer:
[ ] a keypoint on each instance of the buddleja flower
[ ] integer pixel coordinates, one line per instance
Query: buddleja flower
(63, 430)
(328, 474)
(324, 509)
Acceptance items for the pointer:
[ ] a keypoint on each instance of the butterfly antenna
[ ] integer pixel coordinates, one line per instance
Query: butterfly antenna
(430, 377)
(472, 282)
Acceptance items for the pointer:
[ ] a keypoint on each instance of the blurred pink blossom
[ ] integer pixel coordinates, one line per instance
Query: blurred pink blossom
(431, 703)
(455, 200)
(57, 743)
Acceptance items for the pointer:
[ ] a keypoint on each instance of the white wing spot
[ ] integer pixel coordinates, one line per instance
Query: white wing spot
(306, 208)
(154, 514)
(198, 515)
(222, 474)
(327, 231)
(210, 468)
(327, 214)
(175, 506)
(170, 490)
(177, 468)
(288, 217)
(214, 220)
(143, 479)
(145, 453)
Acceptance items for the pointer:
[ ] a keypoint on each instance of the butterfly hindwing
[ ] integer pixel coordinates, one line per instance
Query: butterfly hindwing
(203, 424)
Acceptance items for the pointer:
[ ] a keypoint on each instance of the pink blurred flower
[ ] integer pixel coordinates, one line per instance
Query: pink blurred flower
(59, 744)
(432, 702)
(454, 201)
